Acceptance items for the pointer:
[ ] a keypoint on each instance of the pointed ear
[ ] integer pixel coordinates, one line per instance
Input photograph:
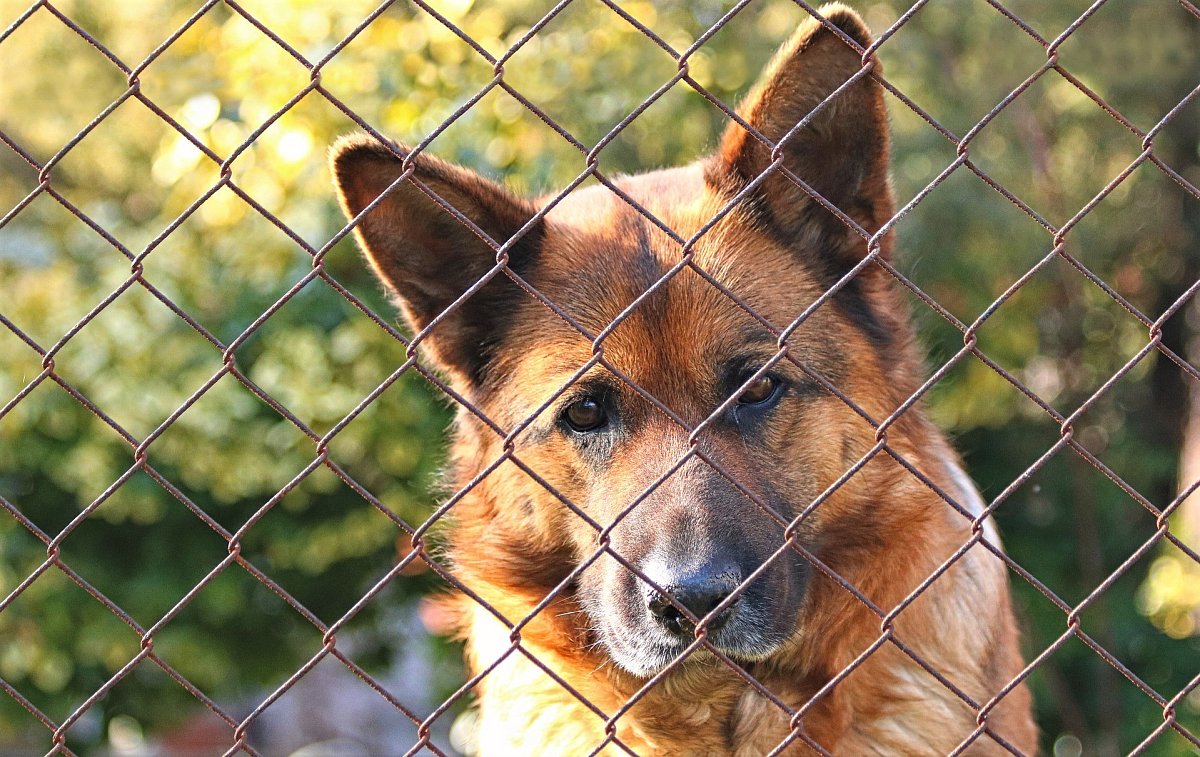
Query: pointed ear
(842, 152)
(426, 256)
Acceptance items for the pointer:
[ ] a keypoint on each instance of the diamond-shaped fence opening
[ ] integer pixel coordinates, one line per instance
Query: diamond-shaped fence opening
(107, 157)
(976, 83)
(550, 71)
(61, 112)
(410, 52)
(225, 520)
(1027, 144)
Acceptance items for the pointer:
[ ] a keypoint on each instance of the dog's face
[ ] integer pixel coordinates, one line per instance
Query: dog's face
(654, 411)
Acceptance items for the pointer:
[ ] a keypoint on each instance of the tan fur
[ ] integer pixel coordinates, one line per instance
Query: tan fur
(517, 537)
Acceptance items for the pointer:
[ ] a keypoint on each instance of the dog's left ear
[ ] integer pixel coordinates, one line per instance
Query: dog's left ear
(842, 152)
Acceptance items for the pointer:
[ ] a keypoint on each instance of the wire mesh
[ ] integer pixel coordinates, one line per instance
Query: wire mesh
(227, 349)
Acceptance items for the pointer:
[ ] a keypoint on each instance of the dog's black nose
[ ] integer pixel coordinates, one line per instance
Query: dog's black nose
(699, 591)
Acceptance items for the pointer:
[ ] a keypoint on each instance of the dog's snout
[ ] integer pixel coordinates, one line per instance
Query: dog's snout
(699, 591)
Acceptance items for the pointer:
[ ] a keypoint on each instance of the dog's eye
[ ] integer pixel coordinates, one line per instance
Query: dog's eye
(762, 390)
(585, 415)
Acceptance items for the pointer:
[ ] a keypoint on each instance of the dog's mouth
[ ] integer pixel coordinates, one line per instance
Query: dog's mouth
(650, 652)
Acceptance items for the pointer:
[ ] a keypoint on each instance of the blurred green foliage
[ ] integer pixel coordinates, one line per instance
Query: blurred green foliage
(1053, 147)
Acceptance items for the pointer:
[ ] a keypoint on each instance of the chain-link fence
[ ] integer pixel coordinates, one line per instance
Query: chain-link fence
(345, 461)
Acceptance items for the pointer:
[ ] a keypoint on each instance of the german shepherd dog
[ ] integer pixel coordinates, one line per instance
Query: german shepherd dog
(695, 518)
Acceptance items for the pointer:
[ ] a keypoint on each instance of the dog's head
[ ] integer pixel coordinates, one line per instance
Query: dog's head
(641, 369)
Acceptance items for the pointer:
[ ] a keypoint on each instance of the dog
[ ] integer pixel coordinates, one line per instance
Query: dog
(687, 526)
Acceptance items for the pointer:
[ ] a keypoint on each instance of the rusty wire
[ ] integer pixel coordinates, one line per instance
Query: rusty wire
(229, 367)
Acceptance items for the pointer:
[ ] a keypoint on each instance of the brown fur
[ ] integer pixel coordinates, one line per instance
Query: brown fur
(521, 531)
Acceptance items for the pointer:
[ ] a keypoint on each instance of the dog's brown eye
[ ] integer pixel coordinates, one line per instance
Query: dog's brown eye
(585, 415)
(760, 391)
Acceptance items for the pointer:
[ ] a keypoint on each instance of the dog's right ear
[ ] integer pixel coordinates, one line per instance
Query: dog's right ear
(427, 257)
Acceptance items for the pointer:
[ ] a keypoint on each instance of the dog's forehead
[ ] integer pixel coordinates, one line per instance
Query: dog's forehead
(600, 255)
(672, 195)
(605, 248)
